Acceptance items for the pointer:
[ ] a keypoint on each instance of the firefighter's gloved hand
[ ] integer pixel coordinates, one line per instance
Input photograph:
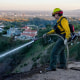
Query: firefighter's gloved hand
(65, 41)
(44, 35)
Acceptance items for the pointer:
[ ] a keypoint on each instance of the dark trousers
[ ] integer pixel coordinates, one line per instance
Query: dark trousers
(58, 49)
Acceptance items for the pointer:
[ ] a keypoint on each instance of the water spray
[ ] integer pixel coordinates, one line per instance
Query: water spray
(14, 50)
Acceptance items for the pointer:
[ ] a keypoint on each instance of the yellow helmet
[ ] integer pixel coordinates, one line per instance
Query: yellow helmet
(57, 11)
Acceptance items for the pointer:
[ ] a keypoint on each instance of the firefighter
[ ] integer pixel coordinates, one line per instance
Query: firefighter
(59, 47)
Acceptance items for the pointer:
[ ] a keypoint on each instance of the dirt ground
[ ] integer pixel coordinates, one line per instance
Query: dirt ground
(57, 75)
(60, 74)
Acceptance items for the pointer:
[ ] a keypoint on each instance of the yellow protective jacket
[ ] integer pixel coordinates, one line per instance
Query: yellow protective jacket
(64, 29)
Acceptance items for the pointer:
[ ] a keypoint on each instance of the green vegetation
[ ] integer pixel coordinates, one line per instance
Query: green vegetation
(76, 25)
(75, 51)
(35, 48)
(34, 65)
(45, 59)
(25, 64)
(36, 58)
(9, 43)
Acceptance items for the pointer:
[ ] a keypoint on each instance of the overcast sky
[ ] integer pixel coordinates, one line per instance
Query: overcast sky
(39, 4)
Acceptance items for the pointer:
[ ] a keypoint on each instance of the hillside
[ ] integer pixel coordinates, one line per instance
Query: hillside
(34, 58)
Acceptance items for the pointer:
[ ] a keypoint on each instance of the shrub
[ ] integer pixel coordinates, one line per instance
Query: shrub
(34, 65)
(45, 59)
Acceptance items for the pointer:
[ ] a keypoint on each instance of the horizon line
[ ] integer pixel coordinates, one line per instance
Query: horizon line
(36, 10)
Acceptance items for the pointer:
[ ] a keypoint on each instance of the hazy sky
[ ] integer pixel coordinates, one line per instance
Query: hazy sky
(39, 4)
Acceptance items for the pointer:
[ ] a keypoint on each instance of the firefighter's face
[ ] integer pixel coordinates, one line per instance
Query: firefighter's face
(56, 16)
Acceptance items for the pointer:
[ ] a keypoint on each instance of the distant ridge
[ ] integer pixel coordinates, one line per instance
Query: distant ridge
(76, 10)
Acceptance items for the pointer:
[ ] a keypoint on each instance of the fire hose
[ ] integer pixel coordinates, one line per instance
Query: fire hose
(67, 47)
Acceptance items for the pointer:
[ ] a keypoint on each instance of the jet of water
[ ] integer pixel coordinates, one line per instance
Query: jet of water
(9, 52)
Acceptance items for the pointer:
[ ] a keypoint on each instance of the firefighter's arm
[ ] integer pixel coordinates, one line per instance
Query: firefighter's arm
(66, 28)
(51, 32)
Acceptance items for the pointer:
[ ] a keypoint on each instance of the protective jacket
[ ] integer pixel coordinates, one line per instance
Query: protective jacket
(64, 29)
